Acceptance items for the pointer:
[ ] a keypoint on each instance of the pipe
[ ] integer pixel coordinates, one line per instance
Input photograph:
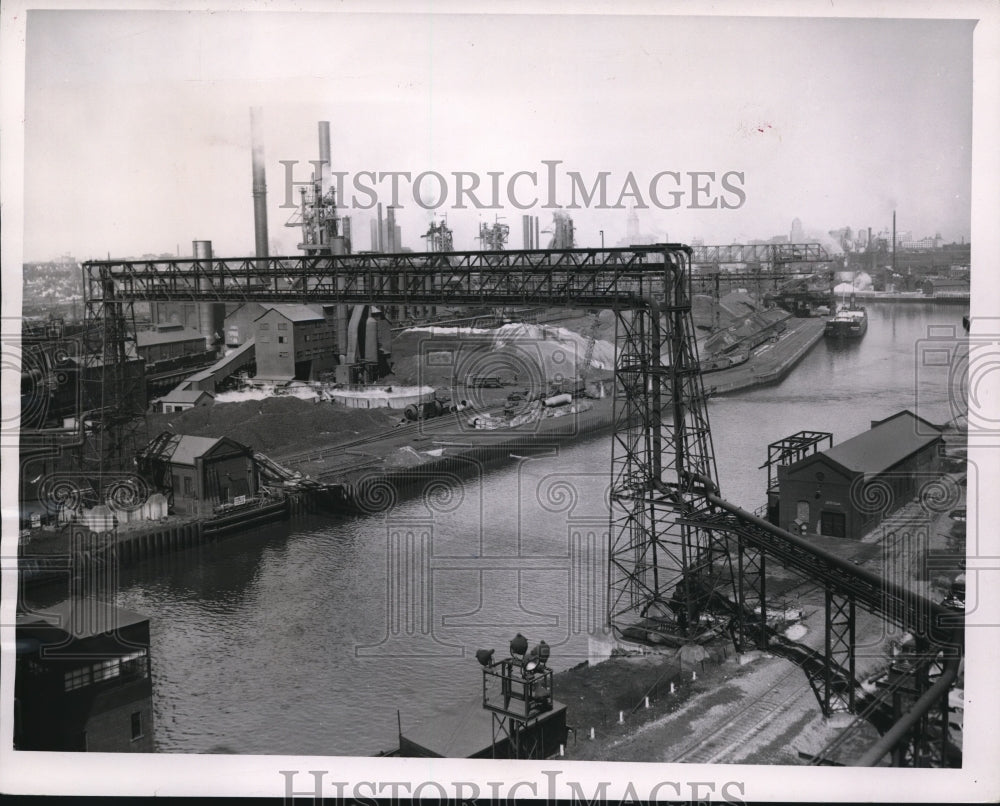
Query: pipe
(922, 706)
(898, 732)
(938, 614)
(259, 183)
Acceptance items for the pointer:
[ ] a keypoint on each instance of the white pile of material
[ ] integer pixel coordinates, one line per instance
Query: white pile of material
(559, 351)
(554, 344)
(263, 392)
(394, 397)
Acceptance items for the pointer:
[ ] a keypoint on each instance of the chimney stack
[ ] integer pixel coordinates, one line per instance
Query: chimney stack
(324, 155)
(259, 183)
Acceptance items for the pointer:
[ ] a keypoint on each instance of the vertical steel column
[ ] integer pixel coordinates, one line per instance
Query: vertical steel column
(839, 662)
(752, 594)
(664, 569)
(113, 385)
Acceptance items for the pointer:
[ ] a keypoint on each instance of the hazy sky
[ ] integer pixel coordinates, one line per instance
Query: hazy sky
(137, 135)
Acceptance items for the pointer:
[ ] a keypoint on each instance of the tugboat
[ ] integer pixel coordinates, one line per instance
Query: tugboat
(849, 322)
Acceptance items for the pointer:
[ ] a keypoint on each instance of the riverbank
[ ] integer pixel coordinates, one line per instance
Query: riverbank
(385, 458)
(51, 556)
(770, 363)
(914, 297)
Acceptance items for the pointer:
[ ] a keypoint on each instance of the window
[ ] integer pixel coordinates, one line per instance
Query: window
(78, 678)
(833, 524)
(187, 485)
(106, 669)
(281, 339)
(134, 664)
(136, 725)
(802, 511)
(175, 481)
(282, 325)
(264, 339)
(264, 325)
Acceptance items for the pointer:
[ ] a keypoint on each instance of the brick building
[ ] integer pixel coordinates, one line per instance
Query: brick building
(847, 490)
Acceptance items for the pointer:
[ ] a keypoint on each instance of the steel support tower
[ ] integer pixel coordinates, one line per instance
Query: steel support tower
(664, 570)
(673, 537)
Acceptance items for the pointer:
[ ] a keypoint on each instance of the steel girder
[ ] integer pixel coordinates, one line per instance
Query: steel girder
(113, 396)
(605, 278)
(839, 669)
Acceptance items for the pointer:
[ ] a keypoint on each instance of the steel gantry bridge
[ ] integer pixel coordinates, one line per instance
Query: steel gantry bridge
(677, 549)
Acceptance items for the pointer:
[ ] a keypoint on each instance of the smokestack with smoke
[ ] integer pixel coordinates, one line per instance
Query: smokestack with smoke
(259, 183)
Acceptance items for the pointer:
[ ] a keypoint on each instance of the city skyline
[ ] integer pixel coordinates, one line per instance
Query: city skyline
(137, 126)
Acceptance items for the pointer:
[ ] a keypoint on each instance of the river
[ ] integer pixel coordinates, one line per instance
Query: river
(306, 637)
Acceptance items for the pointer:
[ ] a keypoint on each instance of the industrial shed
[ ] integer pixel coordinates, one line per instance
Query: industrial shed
(846, 490)
(203, 473)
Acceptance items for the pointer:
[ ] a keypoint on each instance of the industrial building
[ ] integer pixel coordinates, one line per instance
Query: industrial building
(848, 489)
(181, 399)
(240, 322)
(203, 472)
(932, 286)
(168, 340)
(83, 681)
(295, 342)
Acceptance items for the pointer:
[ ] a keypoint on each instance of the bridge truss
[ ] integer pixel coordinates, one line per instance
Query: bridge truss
(673, 538)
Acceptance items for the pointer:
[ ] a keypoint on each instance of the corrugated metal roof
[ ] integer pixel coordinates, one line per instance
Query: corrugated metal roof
(147, 338)
(295, 312)
(189, 448)
(185, 396)
(885, 444)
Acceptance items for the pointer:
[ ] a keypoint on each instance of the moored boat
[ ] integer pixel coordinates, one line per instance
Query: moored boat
(849, 322)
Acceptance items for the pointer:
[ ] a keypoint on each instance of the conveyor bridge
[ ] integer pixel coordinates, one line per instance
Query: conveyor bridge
(670, 530)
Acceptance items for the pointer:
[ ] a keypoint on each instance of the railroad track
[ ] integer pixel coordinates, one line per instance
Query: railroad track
(747, 722)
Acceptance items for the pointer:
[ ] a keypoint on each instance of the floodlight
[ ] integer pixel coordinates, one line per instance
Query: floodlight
(518, 645)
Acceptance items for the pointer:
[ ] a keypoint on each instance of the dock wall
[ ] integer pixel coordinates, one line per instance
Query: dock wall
(89, 553)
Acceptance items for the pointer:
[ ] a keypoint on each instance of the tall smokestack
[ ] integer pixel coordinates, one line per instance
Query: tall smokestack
(390, 226)
(259, 183)
(324, 155)
(211, 315)
(893, 241)
(381, 230)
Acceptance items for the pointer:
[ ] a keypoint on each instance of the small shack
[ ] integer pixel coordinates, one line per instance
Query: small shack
(182, 399)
